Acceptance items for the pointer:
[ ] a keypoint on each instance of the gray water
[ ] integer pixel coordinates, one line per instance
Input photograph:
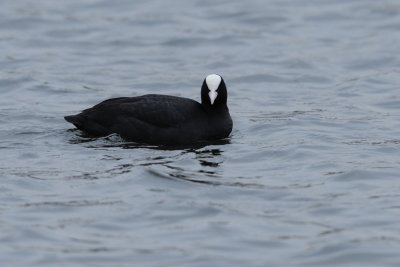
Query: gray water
(309, 176)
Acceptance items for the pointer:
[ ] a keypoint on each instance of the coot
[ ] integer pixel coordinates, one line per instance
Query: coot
(161, 119)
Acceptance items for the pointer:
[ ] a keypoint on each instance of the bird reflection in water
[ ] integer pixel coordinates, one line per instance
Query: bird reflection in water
(177, 167)
(208, 155)
(166, 164)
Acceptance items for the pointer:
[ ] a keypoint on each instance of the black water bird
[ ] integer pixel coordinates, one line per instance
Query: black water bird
(161, 119)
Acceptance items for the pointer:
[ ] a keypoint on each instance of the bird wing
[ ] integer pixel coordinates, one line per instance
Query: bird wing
(157, 110)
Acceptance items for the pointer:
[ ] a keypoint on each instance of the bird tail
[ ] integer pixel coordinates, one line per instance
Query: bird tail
(74, 119)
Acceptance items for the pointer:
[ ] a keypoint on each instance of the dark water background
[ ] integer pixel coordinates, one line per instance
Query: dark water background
(309, 177)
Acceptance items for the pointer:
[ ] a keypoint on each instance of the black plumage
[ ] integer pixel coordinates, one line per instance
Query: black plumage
(160, 119)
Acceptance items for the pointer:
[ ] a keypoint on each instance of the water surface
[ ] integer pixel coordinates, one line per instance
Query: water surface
(309, 176)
